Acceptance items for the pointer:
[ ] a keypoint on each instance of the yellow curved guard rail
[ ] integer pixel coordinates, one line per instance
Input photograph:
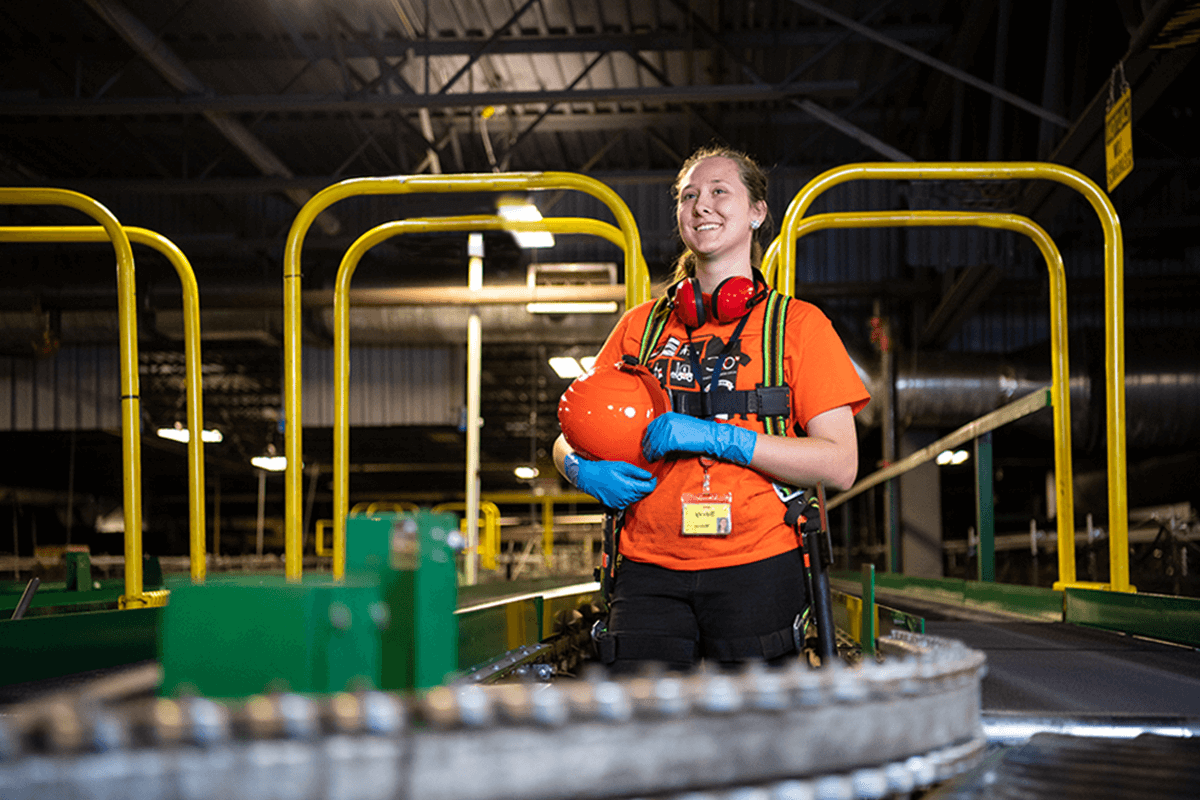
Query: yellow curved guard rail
(376, 506)
(1060, 387)
(489, 545)
(637, 290)
(130, 409)
(1114, 323)
(319, 538)
(191, 345)
(341, 327)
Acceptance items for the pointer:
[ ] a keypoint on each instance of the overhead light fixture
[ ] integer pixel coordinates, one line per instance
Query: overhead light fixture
(181, 434)
(526, 473)
(566, 367)
(600, 307)
(571, 368)
(952, 457)
(270, 463)
(521, 211)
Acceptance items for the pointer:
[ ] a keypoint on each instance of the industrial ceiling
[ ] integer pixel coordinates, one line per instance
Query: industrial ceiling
(213, 121)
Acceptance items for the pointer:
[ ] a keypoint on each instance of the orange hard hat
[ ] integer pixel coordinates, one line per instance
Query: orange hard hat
(604, 412)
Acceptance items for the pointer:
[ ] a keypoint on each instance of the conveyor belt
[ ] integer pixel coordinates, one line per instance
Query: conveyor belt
(1054, 667)
(1059, 668)
(1059, 767)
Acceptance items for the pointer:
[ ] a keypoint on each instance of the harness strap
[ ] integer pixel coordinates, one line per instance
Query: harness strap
(774, 322)
(770, 400)
(640, 647)
(773, 401)
(659, 313)
(764, 646)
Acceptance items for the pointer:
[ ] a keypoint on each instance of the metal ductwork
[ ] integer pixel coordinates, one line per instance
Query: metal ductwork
(1162, 389)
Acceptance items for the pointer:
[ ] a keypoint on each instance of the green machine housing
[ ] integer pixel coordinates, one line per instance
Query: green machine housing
(389, 625)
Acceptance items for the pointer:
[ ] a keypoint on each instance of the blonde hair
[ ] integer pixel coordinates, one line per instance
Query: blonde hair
(753, 178)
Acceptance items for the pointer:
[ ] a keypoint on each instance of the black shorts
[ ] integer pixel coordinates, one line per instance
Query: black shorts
(728, 614)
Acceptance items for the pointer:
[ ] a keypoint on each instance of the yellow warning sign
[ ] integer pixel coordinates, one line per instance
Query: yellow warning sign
(1118, 139)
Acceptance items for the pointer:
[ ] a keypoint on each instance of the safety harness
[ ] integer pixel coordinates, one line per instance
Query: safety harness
(771, 401)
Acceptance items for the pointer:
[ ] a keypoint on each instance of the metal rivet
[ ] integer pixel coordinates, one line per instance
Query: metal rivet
(382, 714)
(344, 713)
(475, 705)
(794, 790)
(612, 702)
(339, 615)
(550, 706)
(869, 783)
(381, 615)
(834, 787)
(719, 695)
(440, 706)
(899, 779)
(299, 716)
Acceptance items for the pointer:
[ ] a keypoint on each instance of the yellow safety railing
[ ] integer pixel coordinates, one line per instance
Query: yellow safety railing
(637, 289)
(1114, 317)
(377, 506)
(191, 345)
(341, 327)
(130, 410)
(489, 545)
(547, 502)
(319, 537)
(1060, 371)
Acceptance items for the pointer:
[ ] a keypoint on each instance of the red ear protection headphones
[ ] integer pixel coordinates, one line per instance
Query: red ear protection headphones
(731, 300)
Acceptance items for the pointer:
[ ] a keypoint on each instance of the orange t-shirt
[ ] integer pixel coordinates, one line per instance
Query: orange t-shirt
(821, 376)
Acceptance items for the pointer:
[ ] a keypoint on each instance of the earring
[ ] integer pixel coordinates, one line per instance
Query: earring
(754, 223)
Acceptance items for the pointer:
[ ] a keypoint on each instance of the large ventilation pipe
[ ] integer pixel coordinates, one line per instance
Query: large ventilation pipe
(1162, 389)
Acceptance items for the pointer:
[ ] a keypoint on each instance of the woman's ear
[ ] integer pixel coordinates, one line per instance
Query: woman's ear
(758, 211)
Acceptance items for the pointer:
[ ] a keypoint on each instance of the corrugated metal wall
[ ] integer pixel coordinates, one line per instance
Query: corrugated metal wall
(388, 386)
(78, 389)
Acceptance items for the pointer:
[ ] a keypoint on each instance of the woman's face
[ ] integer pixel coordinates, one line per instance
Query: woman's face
(714, 210)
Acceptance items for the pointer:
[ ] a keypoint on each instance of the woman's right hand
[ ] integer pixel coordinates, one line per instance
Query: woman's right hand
(616, 484)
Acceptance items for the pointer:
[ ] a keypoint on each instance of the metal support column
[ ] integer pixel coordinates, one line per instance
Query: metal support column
(985, 508)
(474, 370)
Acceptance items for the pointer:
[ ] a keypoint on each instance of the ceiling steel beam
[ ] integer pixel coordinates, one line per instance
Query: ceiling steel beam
(515, 142)
(856, 133)
(333, 104)
(806, 104)
(482, 49)
(930, 61)
(255, 49)
(150, 47)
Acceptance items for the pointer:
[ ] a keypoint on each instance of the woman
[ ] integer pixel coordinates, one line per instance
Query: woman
(707, 566)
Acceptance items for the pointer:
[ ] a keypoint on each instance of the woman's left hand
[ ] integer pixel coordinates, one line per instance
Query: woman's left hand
(678, 433)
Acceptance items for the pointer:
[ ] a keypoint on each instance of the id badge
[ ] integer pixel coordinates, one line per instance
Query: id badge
(707, 514)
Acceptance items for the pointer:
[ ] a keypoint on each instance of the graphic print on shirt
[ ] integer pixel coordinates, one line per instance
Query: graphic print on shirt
(672, 363)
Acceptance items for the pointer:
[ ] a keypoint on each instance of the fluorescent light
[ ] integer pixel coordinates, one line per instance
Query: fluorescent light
(270, 463)
(587, 362)
(952, 457)
(600, 307)
(526, 473)
(525, 212)
(566, 367)
(182, 435)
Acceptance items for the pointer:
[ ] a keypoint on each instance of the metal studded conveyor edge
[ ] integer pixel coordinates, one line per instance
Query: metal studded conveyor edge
(874, 730)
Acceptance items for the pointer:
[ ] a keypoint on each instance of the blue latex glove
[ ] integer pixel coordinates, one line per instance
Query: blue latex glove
(616, 484)
(678, 433)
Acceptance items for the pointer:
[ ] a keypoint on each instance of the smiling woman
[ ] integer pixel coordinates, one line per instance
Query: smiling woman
(707, 566)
